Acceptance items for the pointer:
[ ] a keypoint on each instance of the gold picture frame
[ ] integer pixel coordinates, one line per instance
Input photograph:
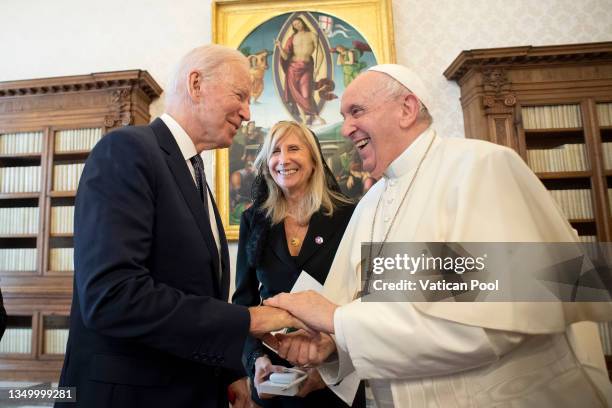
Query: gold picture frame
(233, 21)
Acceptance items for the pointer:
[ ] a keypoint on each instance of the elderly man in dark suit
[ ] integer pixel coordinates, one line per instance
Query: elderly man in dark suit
(150, 325)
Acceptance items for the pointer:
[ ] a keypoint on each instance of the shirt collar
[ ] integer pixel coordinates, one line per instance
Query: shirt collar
(410, 157)
(183, 140)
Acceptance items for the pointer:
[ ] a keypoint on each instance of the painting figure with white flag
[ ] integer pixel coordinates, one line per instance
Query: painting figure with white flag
(349, 58)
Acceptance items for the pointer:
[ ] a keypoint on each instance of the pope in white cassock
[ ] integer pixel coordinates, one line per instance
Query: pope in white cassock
(444, 354)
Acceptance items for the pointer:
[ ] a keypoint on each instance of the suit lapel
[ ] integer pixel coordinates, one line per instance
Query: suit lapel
(186, 185)
(278, 243)
(320, 230)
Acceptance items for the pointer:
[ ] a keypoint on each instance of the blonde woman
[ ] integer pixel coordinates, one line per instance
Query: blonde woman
(295, 224)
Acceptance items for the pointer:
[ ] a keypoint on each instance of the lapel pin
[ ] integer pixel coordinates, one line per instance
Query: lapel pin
(319, 240)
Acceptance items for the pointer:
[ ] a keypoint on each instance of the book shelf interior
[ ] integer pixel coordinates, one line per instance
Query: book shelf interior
(36, 223)
(55, 334)
(21, 163)
(556, 151)
(19, 235)
(17, 338)
(570, 135)
(554, 140)
(18, 255)
(606, 134)
(606, 147)
(60, 257)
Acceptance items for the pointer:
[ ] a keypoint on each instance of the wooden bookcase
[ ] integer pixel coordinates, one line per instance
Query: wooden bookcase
(553, 105)
(47, 128)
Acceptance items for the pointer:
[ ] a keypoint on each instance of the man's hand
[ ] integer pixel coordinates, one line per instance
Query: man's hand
(302, 349)
(265, 319)
(263, 369)
(239, 389)
(308, 306)
(312, 383)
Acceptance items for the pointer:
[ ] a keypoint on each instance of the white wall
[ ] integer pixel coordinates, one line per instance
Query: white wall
(41, 38)
(431, 33)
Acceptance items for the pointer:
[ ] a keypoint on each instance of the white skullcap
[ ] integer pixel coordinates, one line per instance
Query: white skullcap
(408, 78)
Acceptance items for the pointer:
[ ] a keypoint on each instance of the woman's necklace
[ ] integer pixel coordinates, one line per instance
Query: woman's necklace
(295, 231)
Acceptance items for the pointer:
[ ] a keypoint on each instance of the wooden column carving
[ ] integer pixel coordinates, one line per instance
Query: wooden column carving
(121, 108)
(499, 101)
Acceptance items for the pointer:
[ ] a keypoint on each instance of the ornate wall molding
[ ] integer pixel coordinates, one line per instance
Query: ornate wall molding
(78, 83)
(49, 103)
(118, 98)
(527, 55)
(121, 108)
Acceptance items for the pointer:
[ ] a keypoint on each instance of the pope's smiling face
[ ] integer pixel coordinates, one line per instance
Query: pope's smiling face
(371, 119)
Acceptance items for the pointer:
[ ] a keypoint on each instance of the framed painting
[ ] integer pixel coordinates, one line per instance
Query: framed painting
(302, 55)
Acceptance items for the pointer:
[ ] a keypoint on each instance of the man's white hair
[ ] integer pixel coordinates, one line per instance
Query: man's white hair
(212, 61)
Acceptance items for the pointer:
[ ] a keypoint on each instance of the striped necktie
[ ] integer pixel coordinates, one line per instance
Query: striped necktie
(198, 167)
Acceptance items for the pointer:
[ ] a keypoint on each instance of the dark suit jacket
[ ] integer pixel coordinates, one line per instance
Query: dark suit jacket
(263, 257)
(150, 325)
(3, 317)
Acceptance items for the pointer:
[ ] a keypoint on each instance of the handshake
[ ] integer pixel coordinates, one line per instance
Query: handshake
(308, 311)
(309, 346)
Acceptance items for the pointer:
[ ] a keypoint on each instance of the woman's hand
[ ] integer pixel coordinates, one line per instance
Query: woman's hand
(263, 369)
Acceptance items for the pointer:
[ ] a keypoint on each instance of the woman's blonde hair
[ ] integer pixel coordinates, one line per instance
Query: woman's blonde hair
(318, 193)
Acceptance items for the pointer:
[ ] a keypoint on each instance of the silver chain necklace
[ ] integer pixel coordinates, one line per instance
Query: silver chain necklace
(369, 260)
